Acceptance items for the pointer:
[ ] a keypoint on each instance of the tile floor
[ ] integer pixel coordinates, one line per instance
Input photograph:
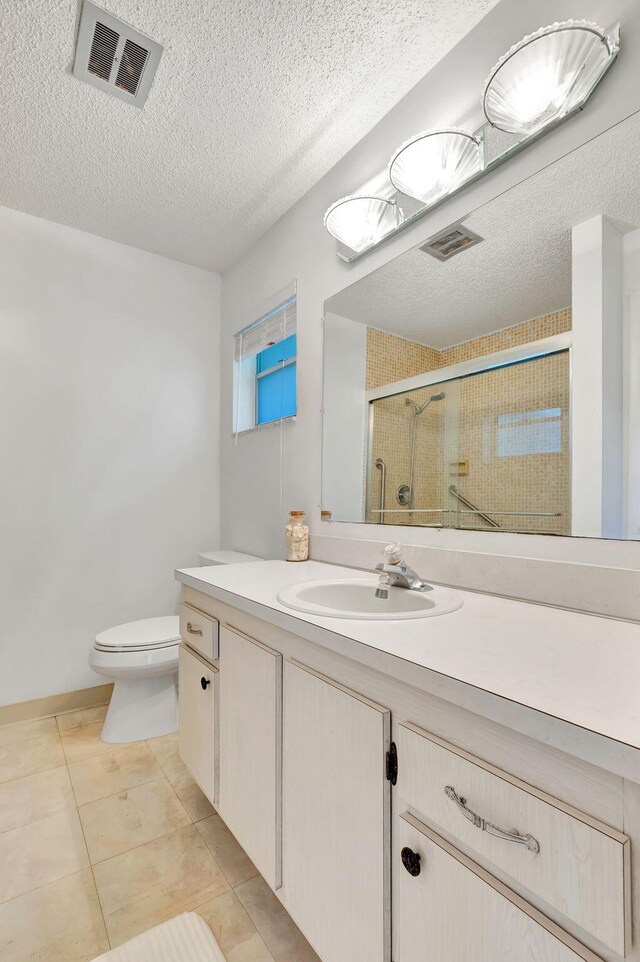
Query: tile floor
(100, 842)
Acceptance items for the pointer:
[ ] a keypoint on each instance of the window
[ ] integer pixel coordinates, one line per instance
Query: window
(530, 432)
(276, 381)
(265, 389)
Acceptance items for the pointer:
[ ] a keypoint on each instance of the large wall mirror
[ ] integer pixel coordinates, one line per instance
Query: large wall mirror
(490, 379)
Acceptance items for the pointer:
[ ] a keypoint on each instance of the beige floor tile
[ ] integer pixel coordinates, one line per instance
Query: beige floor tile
(81, 718)
(282, 937)
(113, 772)
(60, 922)
(29, 799)
(85, 742)
(156, 881)
(31, 755)
(42, 852)
(192, 797)
(165, 750)
(122, 822)
(234, 931)
(232, 859)
(27, 729)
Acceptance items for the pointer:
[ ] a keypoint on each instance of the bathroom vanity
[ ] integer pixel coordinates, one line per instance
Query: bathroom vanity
(465, 786)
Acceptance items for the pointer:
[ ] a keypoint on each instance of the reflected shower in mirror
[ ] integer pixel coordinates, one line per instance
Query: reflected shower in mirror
(486, 381)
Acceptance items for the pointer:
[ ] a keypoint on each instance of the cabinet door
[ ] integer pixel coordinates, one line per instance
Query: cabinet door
(251, 748)
(198, 693)
(447, 907)
(335, 817)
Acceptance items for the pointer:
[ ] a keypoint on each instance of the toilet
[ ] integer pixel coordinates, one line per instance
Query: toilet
(141, 658)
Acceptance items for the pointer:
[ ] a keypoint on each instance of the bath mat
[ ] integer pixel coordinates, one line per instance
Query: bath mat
(187, 938)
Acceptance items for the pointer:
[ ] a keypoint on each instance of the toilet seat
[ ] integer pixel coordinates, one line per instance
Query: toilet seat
(149, 634)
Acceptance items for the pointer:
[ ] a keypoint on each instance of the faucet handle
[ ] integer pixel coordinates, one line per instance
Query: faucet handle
(393, 554)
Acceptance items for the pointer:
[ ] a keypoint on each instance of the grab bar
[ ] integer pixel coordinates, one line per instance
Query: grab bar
(383, 480)
(485, 517)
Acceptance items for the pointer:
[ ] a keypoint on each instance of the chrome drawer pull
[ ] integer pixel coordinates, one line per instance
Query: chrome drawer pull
(192, 630)
(513, 836)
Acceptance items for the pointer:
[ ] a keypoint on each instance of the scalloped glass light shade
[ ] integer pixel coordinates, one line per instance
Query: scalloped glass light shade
(359, 222)
(434, 163)
(545, 76)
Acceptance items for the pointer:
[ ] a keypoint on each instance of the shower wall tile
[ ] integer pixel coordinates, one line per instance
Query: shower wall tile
(391, 358)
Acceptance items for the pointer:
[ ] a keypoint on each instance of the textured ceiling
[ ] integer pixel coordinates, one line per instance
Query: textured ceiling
(523, 267)
(254, 100)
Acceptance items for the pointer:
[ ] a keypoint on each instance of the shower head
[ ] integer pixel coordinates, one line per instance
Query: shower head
(418, 410)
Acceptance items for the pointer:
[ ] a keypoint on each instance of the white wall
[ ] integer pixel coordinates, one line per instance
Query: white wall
(344, 411)
(298, 247)
(631, 352)
(109, 429)
(597, 437)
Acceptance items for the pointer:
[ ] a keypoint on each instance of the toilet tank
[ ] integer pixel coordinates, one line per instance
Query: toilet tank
(208, 558)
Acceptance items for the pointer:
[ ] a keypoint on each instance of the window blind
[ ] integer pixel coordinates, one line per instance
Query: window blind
(269, 329)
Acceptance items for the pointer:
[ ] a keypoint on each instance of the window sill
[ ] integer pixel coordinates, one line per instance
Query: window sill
(263, 427)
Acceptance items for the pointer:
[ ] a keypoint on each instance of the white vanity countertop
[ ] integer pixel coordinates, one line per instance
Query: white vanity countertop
(563, 677)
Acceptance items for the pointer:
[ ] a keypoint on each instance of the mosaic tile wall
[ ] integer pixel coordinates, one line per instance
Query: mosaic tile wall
(488, 420)
(391, 358)
(534, 330)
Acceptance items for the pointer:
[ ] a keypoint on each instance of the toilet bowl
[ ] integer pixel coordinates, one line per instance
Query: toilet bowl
(142, 659)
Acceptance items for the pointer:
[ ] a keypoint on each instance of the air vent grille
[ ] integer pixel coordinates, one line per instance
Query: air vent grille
(103, 51)
(113, 56)
(451, 241)
(131, 67)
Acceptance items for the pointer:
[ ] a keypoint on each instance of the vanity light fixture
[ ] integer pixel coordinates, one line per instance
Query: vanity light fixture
(360, 220)
(546, 75)
(539, 83)
(435, 163)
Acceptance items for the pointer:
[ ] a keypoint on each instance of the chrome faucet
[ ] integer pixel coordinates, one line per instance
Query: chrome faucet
(394, 573)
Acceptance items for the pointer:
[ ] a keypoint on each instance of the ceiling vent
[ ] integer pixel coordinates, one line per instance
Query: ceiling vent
(450, 241)
(114, 57)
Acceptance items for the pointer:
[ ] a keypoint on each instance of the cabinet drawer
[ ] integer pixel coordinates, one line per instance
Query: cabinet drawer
(451, 908)
(576, 864)
(199, 631)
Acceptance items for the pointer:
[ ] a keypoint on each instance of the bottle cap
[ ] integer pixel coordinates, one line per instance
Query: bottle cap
(296, 513)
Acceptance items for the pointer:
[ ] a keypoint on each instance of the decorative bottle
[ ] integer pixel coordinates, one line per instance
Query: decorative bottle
(297, 533)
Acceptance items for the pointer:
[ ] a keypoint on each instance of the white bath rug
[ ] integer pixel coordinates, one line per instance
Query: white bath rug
(187, 938)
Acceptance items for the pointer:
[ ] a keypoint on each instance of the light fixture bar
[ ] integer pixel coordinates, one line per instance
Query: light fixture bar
(409, 211)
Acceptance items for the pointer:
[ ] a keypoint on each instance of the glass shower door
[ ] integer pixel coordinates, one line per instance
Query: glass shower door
(412, 453)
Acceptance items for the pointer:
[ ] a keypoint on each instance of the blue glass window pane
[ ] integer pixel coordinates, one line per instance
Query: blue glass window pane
(277, 395)
(282, 351)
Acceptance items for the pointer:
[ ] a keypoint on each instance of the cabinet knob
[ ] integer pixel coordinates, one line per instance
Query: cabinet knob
(411, 861)
(204, 682)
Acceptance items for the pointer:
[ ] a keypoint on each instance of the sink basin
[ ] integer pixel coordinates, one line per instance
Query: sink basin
(356, 598)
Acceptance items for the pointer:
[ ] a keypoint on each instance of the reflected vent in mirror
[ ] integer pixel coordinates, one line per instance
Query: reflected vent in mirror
(113, 56)
(451, 241)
